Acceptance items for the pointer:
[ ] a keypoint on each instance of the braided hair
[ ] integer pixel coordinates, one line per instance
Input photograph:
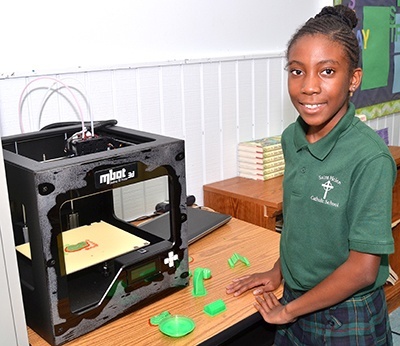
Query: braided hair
(337, 23)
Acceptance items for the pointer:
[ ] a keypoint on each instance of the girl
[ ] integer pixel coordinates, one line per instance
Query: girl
(337, 200)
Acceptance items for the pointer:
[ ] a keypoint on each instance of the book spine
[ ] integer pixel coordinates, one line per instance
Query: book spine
(260, 166)
(259, 160)
(273, 152)
(251, 176)
(259, 148)
(259, 154)
(263, 142)
(262, 171)
(260, 177)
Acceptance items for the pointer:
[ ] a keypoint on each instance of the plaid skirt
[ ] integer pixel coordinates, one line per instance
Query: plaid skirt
(357, 321)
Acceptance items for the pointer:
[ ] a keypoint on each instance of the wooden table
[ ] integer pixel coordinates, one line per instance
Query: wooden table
(260, 246)
(255, 201)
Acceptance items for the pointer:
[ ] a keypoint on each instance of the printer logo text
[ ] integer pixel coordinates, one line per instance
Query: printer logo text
(116, 175)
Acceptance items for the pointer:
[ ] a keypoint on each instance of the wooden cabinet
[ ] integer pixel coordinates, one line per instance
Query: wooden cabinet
(260, 203)
(393, 291)
(255, 201)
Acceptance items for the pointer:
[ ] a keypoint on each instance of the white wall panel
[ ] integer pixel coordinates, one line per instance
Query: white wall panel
(260, 91)
(229, 118)
(276, 85)
(100, 92)
(149, 96)
(211, 104)
(394, 131)
(244, 85)
(9, 96)
(211, 122)
(192, 82)
(125, 98)
(171, 102)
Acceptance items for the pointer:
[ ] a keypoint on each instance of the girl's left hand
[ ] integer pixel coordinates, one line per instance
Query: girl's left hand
(272, 310)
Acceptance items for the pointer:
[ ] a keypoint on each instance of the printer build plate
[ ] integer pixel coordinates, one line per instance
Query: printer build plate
(92, 244)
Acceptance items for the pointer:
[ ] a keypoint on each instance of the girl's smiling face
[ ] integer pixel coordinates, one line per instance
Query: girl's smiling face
(319, 82)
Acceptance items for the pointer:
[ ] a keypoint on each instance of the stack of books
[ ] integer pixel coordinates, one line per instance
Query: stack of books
(392, 279)
(261, 159)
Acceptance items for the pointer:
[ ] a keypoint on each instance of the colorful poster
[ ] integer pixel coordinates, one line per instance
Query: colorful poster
(378, 34)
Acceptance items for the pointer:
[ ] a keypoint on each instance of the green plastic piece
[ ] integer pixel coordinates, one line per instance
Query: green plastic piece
(76, 247)
(155, 320)
(199, 275)
(215, 308)
(176, 326)
(236, 257)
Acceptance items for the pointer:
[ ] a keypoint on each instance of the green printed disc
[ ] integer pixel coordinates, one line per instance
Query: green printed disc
(176, 326)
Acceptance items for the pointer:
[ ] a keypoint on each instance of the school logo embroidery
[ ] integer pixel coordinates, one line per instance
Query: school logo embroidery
(328, 183)
(327, 187)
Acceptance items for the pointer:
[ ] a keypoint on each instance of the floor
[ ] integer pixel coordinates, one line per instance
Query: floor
(395, 324)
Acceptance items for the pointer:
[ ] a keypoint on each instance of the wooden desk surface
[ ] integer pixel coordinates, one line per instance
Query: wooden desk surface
(259, 245)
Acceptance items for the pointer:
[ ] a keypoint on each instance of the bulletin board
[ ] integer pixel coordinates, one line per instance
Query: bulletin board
(378, 34)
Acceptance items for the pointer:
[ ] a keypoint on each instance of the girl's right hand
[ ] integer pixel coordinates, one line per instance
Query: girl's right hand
(264, 282)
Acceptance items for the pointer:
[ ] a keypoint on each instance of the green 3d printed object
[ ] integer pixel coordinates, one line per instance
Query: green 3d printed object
(215, 308)
(236, 257)
(176, 326)
(199, 275)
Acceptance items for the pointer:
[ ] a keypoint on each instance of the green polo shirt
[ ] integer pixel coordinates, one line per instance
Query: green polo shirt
(337, 198)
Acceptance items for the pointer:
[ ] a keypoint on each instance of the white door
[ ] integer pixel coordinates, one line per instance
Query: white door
(12, 318)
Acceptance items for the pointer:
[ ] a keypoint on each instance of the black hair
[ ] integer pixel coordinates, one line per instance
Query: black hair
(337, 23)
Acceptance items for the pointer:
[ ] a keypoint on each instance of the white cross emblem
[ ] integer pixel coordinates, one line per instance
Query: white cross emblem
(170, 259)
(327, 187)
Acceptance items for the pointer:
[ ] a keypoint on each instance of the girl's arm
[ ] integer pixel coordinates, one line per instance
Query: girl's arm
(360, 270)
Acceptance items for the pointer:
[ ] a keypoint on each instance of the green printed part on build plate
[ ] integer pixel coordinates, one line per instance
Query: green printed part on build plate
(76, 247)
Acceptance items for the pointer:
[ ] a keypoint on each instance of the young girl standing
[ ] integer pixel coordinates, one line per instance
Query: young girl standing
(337, 201)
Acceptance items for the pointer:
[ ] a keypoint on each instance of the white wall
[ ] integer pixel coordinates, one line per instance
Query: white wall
(74, 35)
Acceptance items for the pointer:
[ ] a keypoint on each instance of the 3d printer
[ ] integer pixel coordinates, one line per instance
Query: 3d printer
(81, 265)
